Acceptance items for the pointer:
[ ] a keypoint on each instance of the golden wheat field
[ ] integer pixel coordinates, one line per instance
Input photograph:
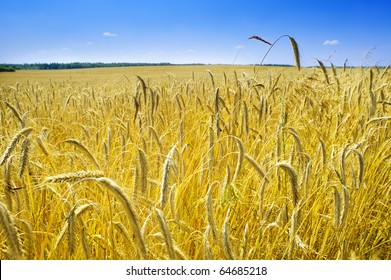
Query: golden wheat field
(196, 162)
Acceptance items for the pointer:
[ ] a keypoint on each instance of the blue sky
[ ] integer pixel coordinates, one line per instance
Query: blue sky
(203, 31)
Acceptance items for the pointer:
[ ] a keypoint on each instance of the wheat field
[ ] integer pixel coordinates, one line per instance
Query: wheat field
(196, 162)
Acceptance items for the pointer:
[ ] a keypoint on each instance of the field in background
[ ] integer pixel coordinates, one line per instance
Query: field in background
(195, 162)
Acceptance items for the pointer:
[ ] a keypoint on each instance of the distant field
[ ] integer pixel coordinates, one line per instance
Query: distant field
(196, 162)
(110, 75)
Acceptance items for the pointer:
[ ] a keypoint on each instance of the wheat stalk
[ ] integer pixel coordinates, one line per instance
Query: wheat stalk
(292, 231)
(84, 242)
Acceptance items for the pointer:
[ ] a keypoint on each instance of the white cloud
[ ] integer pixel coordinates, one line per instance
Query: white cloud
(90, 43)
(238, 47)
(109, 34)
(331, 42)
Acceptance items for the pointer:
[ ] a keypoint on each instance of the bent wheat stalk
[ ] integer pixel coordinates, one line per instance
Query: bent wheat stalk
(294, 44)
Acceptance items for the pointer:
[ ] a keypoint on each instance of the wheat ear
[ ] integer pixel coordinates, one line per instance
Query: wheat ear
(240, 159)
(71, 221)
(73, 177)
(361, 165)
(164, 182)
(288, 168)
(84, 149)
(25, 156)
(166, 233)
(326, 76)
(30, 242)
(256, 166)
(16, 113)
(25, 132)
(245, 241)
(131, 213)
(10, 232)
(226, 242)
(208, 255)
(209, 208)
(345, 205)
(296, 52)
(144, 170)
(337, 207)
(211, 78)
(295, 135)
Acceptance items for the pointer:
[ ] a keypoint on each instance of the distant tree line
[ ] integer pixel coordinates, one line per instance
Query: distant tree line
(73, 65)
(4, 68)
